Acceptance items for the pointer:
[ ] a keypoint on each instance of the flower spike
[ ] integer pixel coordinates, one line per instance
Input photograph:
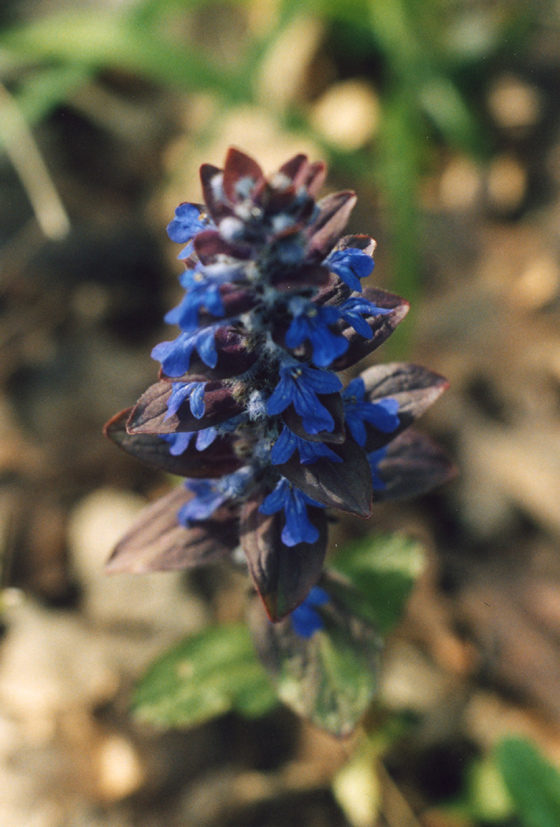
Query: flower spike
(250, 406)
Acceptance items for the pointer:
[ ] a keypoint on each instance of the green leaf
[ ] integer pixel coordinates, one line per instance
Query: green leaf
(97, 39)
(206, 675)
(532, 782)
(383, 569)
(329, 678)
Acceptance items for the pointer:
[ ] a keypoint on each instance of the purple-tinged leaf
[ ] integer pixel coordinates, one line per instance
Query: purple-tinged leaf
(345, 485)
(283, 575)
(333, 293)
(235, 300)
(156, 541)
(333, 403)
(314, 178)
(239, 166)
(325, 231)
(309, 275)
(365, 243)
(149, 414)
(295, 169)
(381, 326)
(209, 244)
(413, 465)
(213, 462)
(329, 677)
(234, 358)
(211, 178)
(415, 388)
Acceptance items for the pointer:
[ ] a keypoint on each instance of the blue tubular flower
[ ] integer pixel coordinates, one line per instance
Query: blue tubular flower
(187, 223)
(311, 323)
(383, 415)
(354, 308)
(350, 265)
(181, 441)
(206, 500)
(211, 494)
(201, 292)
(299, 385)
(298, 527)
(374, 458)
(175, 356)
(309, 452)
(194, 392)
(306, 620)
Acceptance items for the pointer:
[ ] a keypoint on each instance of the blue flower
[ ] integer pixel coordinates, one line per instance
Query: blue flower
(350, 265)
(206, 500)
(299, 385)
(201, 292)
(175, 356)
(181, 441)
(180, 391)
(298, 527)
(354, 308)
(374, 458)
(311, 323)
(309, 452)
(211, 494)
(187, 223)
(358, 410)
(306, 620)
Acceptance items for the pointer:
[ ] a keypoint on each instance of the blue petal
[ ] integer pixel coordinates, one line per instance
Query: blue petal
(306, 621)
(180, 391)
(203, 505)
(284, 447)
(186, 224)
(350, 265)
(374, 458)
(354, 390)
(281, 396)
(197, 400)
(178, 442)
(356, 427)
(206, 347)
(205, 438)
(175, 356)
(382, 414)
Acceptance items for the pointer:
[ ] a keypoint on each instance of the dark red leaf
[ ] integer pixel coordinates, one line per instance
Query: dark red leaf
(415, 388)
(157, 542)
(234, 358)
(238, 166)
(326, 230)
(296, 168)
(236, 300)
(148, 415)
(343, 485)
(361, 242)
(209, 244)
(211, 180)
(306, 276)
(215, 461)
(414, 464)
(314, 178)
(283, 575)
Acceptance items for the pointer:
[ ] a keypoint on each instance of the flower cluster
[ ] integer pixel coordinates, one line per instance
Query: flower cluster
(250, 405)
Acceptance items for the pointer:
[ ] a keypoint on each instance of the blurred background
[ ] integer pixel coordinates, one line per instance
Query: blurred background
(443, 116)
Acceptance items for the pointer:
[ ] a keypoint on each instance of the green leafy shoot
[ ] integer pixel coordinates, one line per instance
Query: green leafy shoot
(212, 673)
(383, 569)
(532, 782)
